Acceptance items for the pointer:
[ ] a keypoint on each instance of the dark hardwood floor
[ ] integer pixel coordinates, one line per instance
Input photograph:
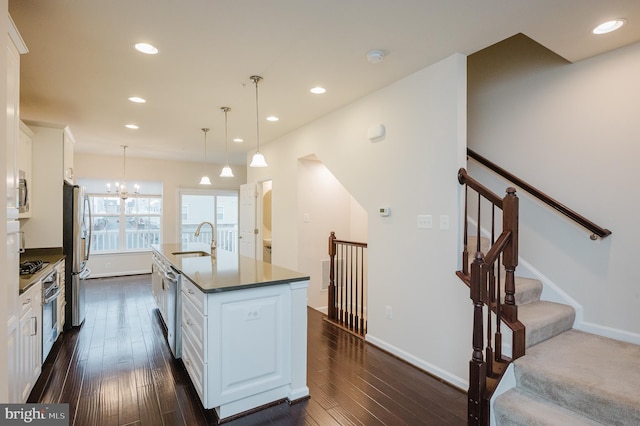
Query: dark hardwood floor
(117, 370)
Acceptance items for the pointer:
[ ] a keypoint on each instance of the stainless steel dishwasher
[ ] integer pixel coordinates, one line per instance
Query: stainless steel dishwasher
(171, 304)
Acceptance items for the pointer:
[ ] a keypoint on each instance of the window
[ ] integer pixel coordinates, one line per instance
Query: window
(125, 225)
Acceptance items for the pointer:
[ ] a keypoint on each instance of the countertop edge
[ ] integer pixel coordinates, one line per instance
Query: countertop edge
(244, 286)
(163, 251)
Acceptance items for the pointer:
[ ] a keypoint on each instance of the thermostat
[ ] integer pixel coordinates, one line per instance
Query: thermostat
(384, 211)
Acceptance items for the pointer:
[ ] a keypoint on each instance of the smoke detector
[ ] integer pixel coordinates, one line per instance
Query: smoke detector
(375, 56)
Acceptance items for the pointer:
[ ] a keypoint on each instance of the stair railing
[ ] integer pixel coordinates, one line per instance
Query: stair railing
(348, 284)
(485, 282)
(596, 230)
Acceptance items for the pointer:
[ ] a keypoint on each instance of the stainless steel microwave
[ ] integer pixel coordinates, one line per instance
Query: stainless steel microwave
(23, 192)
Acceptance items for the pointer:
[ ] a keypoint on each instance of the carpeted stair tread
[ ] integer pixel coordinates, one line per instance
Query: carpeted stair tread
(520, 408)
(544, 320)
(589, 374)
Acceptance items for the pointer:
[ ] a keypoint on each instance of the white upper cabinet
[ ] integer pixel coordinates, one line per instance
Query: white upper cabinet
(52, 164)
(15, 47)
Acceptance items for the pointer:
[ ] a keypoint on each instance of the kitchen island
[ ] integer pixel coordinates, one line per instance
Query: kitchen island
(243, 328)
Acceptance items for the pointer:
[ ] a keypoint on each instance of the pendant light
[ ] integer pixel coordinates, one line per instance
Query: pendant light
(121, 187)
(205, 179)
(258, 159)
(226, 170)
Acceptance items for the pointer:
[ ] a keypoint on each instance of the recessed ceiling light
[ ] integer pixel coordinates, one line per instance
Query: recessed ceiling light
(272, 118)
(238, 140)
(131, 126)
(609, 26)
(146, 48)
(318, 90)
(137, 99)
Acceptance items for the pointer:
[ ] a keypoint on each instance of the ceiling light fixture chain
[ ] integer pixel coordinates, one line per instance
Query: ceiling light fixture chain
(258, 159)
(226, 170)
(121, 189)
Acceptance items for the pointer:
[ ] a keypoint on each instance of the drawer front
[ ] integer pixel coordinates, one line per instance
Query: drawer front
(194, 365)
(31, 299)
(197, 297)
(194, 325)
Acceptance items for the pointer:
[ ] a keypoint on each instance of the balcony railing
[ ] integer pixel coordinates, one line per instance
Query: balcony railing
(108, 241)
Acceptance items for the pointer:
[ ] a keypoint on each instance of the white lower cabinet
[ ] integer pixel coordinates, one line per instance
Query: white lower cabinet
(13, 364)
(30, 340)
(236, 346)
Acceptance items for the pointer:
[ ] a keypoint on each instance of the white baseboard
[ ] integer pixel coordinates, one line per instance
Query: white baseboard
(612, 333)
(452, 379)
(119, 274)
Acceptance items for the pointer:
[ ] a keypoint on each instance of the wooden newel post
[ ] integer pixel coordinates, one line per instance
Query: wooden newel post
(332, 284)
(477, 365)
(510, 256)
(510, 261)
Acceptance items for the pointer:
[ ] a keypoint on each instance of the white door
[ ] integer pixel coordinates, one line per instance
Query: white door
(248, 226)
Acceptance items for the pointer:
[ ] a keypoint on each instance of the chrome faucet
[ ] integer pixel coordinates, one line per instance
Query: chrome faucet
(213, 237)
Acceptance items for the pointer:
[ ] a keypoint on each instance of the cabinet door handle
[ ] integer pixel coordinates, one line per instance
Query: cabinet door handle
(26, 302)
(190, 291)
(189, 323)
(35, 326)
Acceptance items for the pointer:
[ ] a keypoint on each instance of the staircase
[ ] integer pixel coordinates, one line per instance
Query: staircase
(568, 377)
(559, 375)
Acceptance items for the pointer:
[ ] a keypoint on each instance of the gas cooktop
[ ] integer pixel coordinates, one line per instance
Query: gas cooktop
(31, 266)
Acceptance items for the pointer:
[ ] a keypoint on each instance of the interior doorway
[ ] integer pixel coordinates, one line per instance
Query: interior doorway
(266, 211)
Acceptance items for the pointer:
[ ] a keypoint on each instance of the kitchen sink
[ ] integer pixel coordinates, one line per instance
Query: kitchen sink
(190, 253)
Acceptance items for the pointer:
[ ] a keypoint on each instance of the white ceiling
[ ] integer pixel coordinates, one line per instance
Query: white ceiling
(81, 66)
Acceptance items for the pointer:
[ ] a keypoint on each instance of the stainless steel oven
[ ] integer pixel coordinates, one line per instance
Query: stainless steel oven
(50, 292)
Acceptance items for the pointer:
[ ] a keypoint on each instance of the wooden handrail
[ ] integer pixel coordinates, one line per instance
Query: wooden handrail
(465, 179)
(597, 231)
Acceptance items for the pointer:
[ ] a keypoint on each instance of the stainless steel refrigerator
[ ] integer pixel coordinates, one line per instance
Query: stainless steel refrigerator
(76, 241)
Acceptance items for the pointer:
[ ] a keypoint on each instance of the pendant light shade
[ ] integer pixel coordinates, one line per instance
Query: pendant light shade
(226, 170)
(205, 179)
(258, 159)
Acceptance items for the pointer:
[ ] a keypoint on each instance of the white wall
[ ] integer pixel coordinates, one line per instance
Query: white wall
(412, 171)
(329, 207)
(572, 131)
(174, 175)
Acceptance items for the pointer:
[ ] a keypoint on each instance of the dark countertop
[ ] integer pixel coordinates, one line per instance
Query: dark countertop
(228, 271)
(49, 256)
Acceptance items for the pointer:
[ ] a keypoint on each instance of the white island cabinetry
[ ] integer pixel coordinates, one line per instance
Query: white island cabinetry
(244, 330)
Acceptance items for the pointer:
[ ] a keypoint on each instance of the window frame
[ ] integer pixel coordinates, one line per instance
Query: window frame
(122, 215)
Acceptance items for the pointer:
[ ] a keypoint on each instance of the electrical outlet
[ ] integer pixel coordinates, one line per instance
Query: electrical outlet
(389, 312)
(425, 221)
(444, 221)
(306, 217)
